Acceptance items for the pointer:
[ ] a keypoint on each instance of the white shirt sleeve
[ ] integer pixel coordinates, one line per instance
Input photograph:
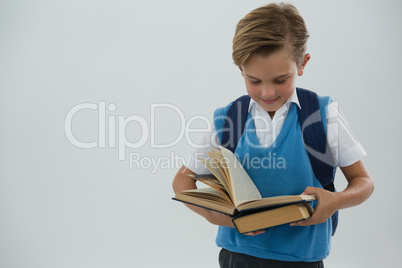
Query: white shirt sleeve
(344, 146)
(209, 140)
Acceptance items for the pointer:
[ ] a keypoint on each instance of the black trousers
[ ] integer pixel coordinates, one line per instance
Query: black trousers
(228, 259)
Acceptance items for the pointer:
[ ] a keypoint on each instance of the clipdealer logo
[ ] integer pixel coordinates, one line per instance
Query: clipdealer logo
(109, 124)
(118, 123)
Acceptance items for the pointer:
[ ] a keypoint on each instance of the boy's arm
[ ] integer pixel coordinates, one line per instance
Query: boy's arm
(360, 187)
(183, 182)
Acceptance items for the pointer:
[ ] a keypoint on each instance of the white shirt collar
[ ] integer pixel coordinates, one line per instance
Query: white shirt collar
(293, 98)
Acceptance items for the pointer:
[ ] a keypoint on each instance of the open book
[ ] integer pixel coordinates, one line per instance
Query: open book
(231, 191)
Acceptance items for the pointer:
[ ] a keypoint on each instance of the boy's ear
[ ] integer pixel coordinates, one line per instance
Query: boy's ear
(305, 60)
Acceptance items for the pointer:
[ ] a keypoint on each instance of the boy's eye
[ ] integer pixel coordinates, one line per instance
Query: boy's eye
(280, 81)
(255, 82)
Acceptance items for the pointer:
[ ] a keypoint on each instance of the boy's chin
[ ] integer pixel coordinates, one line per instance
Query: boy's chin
(269, 108)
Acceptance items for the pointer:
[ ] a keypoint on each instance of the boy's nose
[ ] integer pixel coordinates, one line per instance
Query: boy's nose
(267, 92)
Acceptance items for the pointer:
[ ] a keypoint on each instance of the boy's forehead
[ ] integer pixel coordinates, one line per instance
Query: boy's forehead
(274, 65)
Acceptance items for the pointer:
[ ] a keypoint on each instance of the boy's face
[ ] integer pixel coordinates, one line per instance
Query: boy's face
(271, 80)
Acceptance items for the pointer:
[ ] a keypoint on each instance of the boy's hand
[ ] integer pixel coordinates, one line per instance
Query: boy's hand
(326, 206)
(255, 233)
(218, 218)
(225, 220)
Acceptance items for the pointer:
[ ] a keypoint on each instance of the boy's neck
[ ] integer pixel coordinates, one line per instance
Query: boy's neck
(271, 114)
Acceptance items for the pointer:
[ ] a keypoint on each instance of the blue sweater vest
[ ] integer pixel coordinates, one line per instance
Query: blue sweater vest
(282, 169)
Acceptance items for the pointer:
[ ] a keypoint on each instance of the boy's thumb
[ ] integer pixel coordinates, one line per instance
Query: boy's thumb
(308, 191)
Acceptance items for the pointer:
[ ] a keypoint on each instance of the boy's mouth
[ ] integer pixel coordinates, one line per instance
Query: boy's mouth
(271, 101)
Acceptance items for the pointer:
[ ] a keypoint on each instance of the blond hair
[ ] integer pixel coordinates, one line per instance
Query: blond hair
(268, 29)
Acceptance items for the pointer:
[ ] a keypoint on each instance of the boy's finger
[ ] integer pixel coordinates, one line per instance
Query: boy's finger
(255, 233)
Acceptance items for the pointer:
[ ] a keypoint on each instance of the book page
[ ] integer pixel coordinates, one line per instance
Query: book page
(208, 179)
(207, 198)
(281, 200)
(215, 171)
(243, 187)
(207, 193)
(216, 157)
(212, 181)
(222, 167)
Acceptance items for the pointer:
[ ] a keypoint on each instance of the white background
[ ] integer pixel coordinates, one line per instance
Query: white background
(62, 206)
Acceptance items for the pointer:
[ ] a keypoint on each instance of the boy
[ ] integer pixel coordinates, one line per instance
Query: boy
(269, 47)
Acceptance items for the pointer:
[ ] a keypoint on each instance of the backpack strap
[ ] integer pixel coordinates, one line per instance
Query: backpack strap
(315, 138)
(313, 124)
(235, 122)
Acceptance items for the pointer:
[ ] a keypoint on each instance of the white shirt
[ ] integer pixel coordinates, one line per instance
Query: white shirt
(345, 148)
